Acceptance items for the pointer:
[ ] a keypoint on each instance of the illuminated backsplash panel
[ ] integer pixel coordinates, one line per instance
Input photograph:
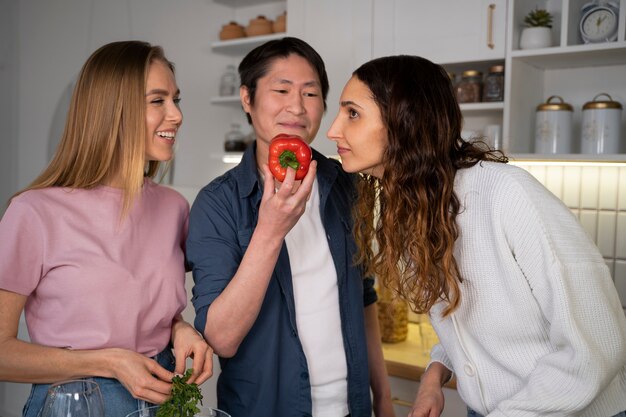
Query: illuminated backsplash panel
(597, 195)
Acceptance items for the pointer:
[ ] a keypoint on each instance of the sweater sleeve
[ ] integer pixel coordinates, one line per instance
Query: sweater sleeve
(577, 297)
(438, 354)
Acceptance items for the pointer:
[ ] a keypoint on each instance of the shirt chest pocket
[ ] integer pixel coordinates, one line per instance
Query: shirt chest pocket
(244, 236)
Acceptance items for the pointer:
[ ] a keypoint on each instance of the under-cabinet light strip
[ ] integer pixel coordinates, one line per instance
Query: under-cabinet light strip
(567, 163)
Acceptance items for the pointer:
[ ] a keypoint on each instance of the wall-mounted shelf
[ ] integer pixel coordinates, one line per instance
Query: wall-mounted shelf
(242, 3)
(226, 100)
(569, 68)
(497, 106)
(241, 46)
(613, 53)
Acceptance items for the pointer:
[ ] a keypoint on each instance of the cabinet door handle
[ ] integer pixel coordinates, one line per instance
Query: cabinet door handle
(490, 12)
(396, 400)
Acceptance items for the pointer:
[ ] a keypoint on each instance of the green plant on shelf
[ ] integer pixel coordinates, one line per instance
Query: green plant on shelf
(538, 18)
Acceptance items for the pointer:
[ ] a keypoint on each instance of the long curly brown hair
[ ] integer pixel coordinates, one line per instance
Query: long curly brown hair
(408, 243)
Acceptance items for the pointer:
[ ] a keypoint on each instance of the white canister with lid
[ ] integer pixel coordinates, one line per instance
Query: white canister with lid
(601, 126)
(553, 127)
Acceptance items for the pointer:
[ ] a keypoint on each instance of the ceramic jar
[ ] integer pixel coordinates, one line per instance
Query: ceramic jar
(232, 30)
(601, 126)
(553, 127)
(259, 26)
(280, 24)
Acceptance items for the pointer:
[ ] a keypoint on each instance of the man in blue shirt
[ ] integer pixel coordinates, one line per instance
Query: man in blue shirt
(276, 291)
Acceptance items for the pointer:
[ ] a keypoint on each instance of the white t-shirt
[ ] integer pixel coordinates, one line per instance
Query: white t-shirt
(317, 311)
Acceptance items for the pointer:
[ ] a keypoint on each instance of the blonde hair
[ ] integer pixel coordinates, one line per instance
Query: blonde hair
(105, 131)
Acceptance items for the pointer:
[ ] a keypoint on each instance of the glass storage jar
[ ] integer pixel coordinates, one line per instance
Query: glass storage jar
(393, 316)
(235, 140)
(452, 77)
(469, 89)
(493, 88)
(229, 81)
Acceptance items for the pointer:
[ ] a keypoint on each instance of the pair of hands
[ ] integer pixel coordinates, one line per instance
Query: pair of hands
(146, 380)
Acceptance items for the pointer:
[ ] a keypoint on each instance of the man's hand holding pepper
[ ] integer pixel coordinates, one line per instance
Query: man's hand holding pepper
(281, 208)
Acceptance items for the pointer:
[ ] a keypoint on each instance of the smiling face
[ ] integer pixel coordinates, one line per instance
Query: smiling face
(288, 99)
(359, 131)
(163, 116)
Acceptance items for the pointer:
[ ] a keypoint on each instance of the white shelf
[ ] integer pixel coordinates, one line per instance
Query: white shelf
(591, 55)
(226, 100)
(572, 70)
(241, 46)
(243, 3)
(496, 106)
(227, 157)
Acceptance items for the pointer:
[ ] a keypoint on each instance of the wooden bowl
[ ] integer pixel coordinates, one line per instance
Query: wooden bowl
(280, 24)
(232, 30)
(259, 26)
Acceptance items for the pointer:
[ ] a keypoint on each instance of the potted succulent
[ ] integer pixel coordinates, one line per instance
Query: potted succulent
(538, 30)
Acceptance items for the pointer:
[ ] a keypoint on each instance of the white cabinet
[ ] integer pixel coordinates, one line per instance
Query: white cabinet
(444, 31)
(458, 34)
(570, 69)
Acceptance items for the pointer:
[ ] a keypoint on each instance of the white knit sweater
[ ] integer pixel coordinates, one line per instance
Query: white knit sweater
(540, 330)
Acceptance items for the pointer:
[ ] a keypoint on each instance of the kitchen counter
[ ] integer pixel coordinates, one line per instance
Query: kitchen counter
(408, 359)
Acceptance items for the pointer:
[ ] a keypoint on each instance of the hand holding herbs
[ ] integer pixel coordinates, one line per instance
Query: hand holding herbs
(184, 400)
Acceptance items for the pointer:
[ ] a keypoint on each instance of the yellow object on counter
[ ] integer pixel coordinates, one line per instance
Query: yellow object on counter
(408, 359)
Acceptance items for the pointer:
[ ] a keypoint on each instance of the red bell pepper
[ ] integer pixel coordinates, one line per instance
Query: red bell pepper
(289, 151)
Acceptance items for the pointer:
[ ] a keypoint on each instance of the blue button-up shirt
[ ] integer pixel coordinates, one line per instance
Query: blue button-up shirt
(268, 376)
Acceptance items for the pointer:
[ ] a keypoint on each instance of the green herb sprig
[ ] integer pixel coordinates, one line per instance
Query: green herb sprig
(184, 400)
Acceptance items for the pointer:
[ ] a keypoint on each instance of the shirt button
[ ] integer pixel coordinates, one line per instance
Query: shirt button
(304, 375)
(469, 369)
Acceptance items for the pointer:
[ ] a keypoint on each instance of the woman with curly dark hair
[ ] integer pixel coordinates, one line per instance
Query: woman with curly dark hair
(526, 312)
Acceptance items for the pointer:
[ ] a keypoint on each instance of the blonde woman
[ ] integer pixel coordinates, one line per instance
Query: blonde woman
(93, 250)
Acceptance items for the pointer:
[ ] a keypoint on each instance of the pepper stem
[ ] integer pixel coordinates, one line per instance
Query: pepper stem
(288, 159)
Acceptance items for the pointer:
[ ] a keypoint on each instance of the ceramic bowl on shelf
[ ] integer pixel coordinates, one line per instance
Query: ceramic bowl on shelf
(232, 30)
(259, 26)
(280, 24)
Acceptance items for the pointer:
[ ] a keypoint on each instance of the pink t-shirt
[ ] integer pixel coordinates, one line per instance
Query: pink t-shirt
(91, 281)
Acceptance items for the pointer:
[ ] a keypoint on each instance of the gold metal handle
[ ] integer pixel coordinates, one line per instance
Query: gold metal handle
(490, 11)
(403, 403)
